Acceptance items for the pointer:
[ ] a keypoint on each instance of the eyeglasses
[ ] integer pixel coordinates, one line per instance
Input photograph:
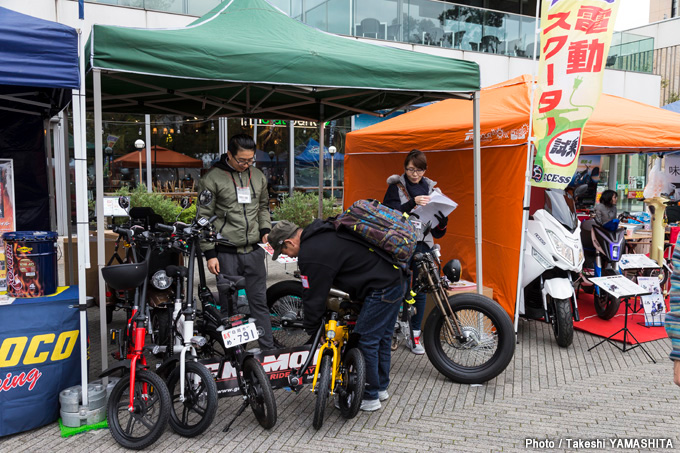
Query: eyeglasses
(415, 170)
(244, 161)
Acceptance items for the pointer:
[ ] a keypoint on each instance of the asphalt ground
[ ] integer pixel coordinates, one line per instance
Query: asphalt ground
(548, 399)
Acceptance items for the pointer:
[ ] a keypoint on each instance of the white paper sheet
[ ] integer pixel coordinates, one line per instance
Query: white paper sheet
(619, 286)
(438, 202)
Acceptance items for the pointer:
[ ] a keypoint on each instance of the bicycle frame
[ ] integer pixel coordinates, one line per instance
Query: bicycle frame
(336, 336)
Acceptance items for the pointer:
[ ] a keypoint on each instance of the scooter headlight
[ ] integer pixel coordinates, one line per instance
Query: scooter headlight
(563, 249)
(160, 280)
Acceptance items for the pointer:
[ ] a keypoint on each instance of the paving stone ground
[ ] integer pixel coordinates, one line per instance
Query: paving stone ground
(546, 400)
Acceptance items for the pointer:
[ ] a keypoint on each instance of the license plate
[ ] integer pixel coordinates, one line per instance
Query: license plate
(239, 335)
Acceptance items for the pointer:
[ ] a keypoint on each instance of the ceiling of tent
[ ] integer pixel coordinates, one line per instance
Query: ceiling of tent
(246, 58)
(39, 64)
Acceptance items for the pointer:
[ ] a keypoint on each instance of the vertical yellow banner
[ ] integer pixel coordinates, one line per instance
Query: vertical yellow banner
(575, 40)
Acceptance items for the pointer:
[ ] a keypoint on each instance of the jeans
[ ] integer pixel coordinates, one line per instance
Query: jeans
(251, 266)
(420, 298)
(375, 325)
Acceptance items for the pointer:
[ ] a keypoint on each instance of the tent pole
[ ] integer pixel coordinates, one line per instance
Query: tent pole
(79, 144)
(47, 126)
(99, 173)
(147, 135)
(69, 216)
(478, 191)
(291, 157)
(321, 145)
(527, 175)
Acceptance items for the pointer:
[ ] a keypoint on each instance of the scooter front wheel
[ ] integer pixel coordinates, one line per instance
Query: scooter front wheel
(484, 347)
(562, 321)
(151, 408)
(193, 416)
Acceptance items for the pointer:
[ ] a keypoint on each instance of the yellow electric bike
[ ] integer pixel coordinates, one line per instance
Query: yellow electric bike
(340, 368)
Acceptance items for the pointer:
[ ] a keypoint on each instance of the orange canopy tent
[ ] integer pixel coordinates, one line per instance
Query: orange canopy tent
(160, 157)
(444, 131)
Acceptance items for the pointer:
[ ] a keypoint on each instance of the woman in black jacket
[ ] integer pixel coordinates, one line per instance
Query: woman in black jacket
(404, 193)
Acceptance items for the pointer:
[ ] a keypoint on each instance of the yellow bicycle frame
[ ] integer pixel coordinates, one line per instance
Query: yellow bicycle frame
(336, 335)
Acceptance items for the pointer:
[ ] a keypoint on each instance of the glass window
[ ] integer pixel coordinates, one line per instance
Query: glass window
(201, 7)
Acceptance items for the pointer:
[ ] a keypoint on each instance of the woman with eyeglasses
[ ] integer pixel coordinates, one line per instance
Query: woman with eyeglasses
(404, 193)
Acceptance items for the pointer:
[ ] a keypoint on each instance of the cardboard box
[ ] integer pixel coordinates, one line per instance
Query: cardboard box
(91, 274)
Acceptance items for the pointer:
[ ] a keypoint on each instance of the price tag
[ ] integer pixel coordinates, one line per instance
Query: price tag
(239, 335)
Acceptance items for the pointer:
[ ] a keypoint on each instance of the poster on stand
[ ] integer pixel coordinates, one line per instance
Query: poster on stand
(654, 306)
(7, 212)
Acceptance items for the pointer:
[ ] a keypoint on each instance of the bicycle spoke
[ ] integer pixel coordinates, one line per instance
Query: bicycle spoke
(185, 414)
(130, 424)
(144, 421)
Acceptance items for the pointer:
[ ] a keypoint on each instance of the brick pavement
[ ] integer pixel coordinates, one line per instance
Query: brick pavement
(547, 392)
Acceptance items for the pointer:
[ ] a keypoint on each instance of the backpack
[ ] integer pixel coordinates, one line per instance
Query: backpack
(385, 228)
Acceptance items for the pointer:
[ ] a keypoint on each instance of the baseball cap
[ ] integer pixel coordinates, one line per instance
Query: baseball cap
(283, 230)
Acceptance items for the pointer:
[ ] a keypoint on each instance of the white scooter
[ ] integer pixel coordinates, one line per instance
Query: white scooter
(553, 251)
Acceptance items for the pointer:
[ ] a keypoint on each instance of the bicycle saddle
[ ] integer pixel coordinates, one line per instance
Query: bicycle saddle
(125, 276)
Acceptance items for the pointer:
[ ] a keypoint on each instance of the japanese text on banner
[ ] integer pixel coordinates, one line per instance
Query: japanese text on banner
(575, 40)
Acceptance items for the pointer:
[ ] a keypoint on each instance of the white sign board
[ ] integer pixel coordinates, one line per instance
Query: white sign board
(619, 286)
(112, 208)
(637, 261)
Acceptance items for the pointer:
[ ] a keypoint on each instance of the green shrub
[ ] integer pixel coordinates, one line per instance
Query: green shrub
(302, 209)
(160, 204)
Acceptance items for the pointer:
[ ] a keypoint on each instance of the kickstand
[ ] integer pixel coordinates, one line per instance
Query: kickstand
(240, 411)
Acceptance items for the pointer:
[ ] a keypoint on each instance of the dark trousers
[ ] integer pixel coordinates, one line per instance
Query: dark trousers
(251, 266)
(376, 325)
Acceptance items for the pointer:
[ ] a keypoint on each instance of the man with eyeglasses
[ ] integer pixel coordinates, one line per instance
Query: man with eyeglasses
(241, 204)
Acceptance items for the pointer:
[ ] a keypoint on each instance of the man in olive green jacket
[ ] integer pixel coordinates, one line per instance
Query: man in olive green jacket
(241, 204)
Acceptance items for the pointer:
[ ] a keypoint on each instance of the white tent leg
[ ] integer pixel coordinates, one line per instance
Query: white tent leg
(477, 164)
(321, 145)
(99, 179)
(291, 157)
(80, 155)
(147, 134)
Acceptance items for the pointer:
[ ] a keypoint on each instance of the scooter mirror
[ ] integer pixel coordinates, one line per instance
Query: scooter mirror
(124, 202)
(185, 202)
(205, 198)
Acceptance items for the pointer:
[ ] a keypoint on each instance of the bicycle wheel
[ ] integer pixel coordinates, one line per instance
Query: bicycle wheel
(484, 348)
(194, 415)
(284, 300)
(323, 389)
(213, 347)
(142, 427)
(260, 394)
(351, 391)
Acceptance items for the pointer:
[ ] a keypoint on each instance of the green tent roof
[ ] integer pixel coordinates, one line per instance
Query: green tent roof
(247, 58)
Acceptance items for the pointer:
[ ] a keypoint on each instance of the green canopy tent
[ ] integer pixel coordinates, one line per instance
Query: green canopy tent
(246, 58)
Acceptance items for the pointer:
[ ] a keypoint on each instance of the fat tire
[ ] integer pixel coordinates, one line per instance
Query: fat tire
(207, 386)
(353, 383)
(163, 409)
(262, 400)
(606, 306)
(323, 389)
(503, 330)
(562, 322)
(281, 290)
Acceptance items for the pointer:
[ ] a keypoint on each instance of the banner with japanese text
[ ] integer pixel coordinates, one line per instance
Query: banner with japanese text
(575, 40)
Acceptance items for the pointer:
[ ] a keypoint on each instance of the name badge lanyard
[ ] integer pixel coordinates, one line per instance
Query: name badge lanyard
(243, 195)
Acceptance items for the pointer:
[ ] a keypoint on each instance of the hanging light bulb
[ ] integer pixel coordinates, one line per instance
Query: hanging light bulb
(140, 130)
(212, 126)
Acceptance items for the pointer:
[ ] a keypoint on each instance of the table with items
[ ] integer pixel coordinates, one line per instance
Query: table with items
(39, 357)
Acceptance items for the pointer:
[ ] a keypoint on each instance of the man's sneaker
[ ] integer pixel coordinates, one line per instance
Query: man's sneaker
(370, 405)
(383, 395)
(417, 348)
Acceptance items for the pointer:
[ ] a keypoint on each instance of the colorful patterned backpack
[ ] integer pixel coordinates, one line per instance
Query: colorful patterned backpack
(385, 228)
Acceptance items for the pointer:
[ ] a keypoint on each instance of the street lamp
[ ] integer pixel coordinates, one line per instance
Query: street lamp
(139, 144)
(332, 150)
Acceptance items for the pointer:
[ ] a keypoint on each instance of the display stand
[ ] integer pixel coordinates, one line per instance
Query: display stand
(623, 289)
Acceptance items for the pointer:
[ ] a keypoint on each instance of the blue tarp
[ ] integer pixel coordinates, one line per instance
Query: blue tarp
(36, 52)
(673, 107)
(311, 154)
